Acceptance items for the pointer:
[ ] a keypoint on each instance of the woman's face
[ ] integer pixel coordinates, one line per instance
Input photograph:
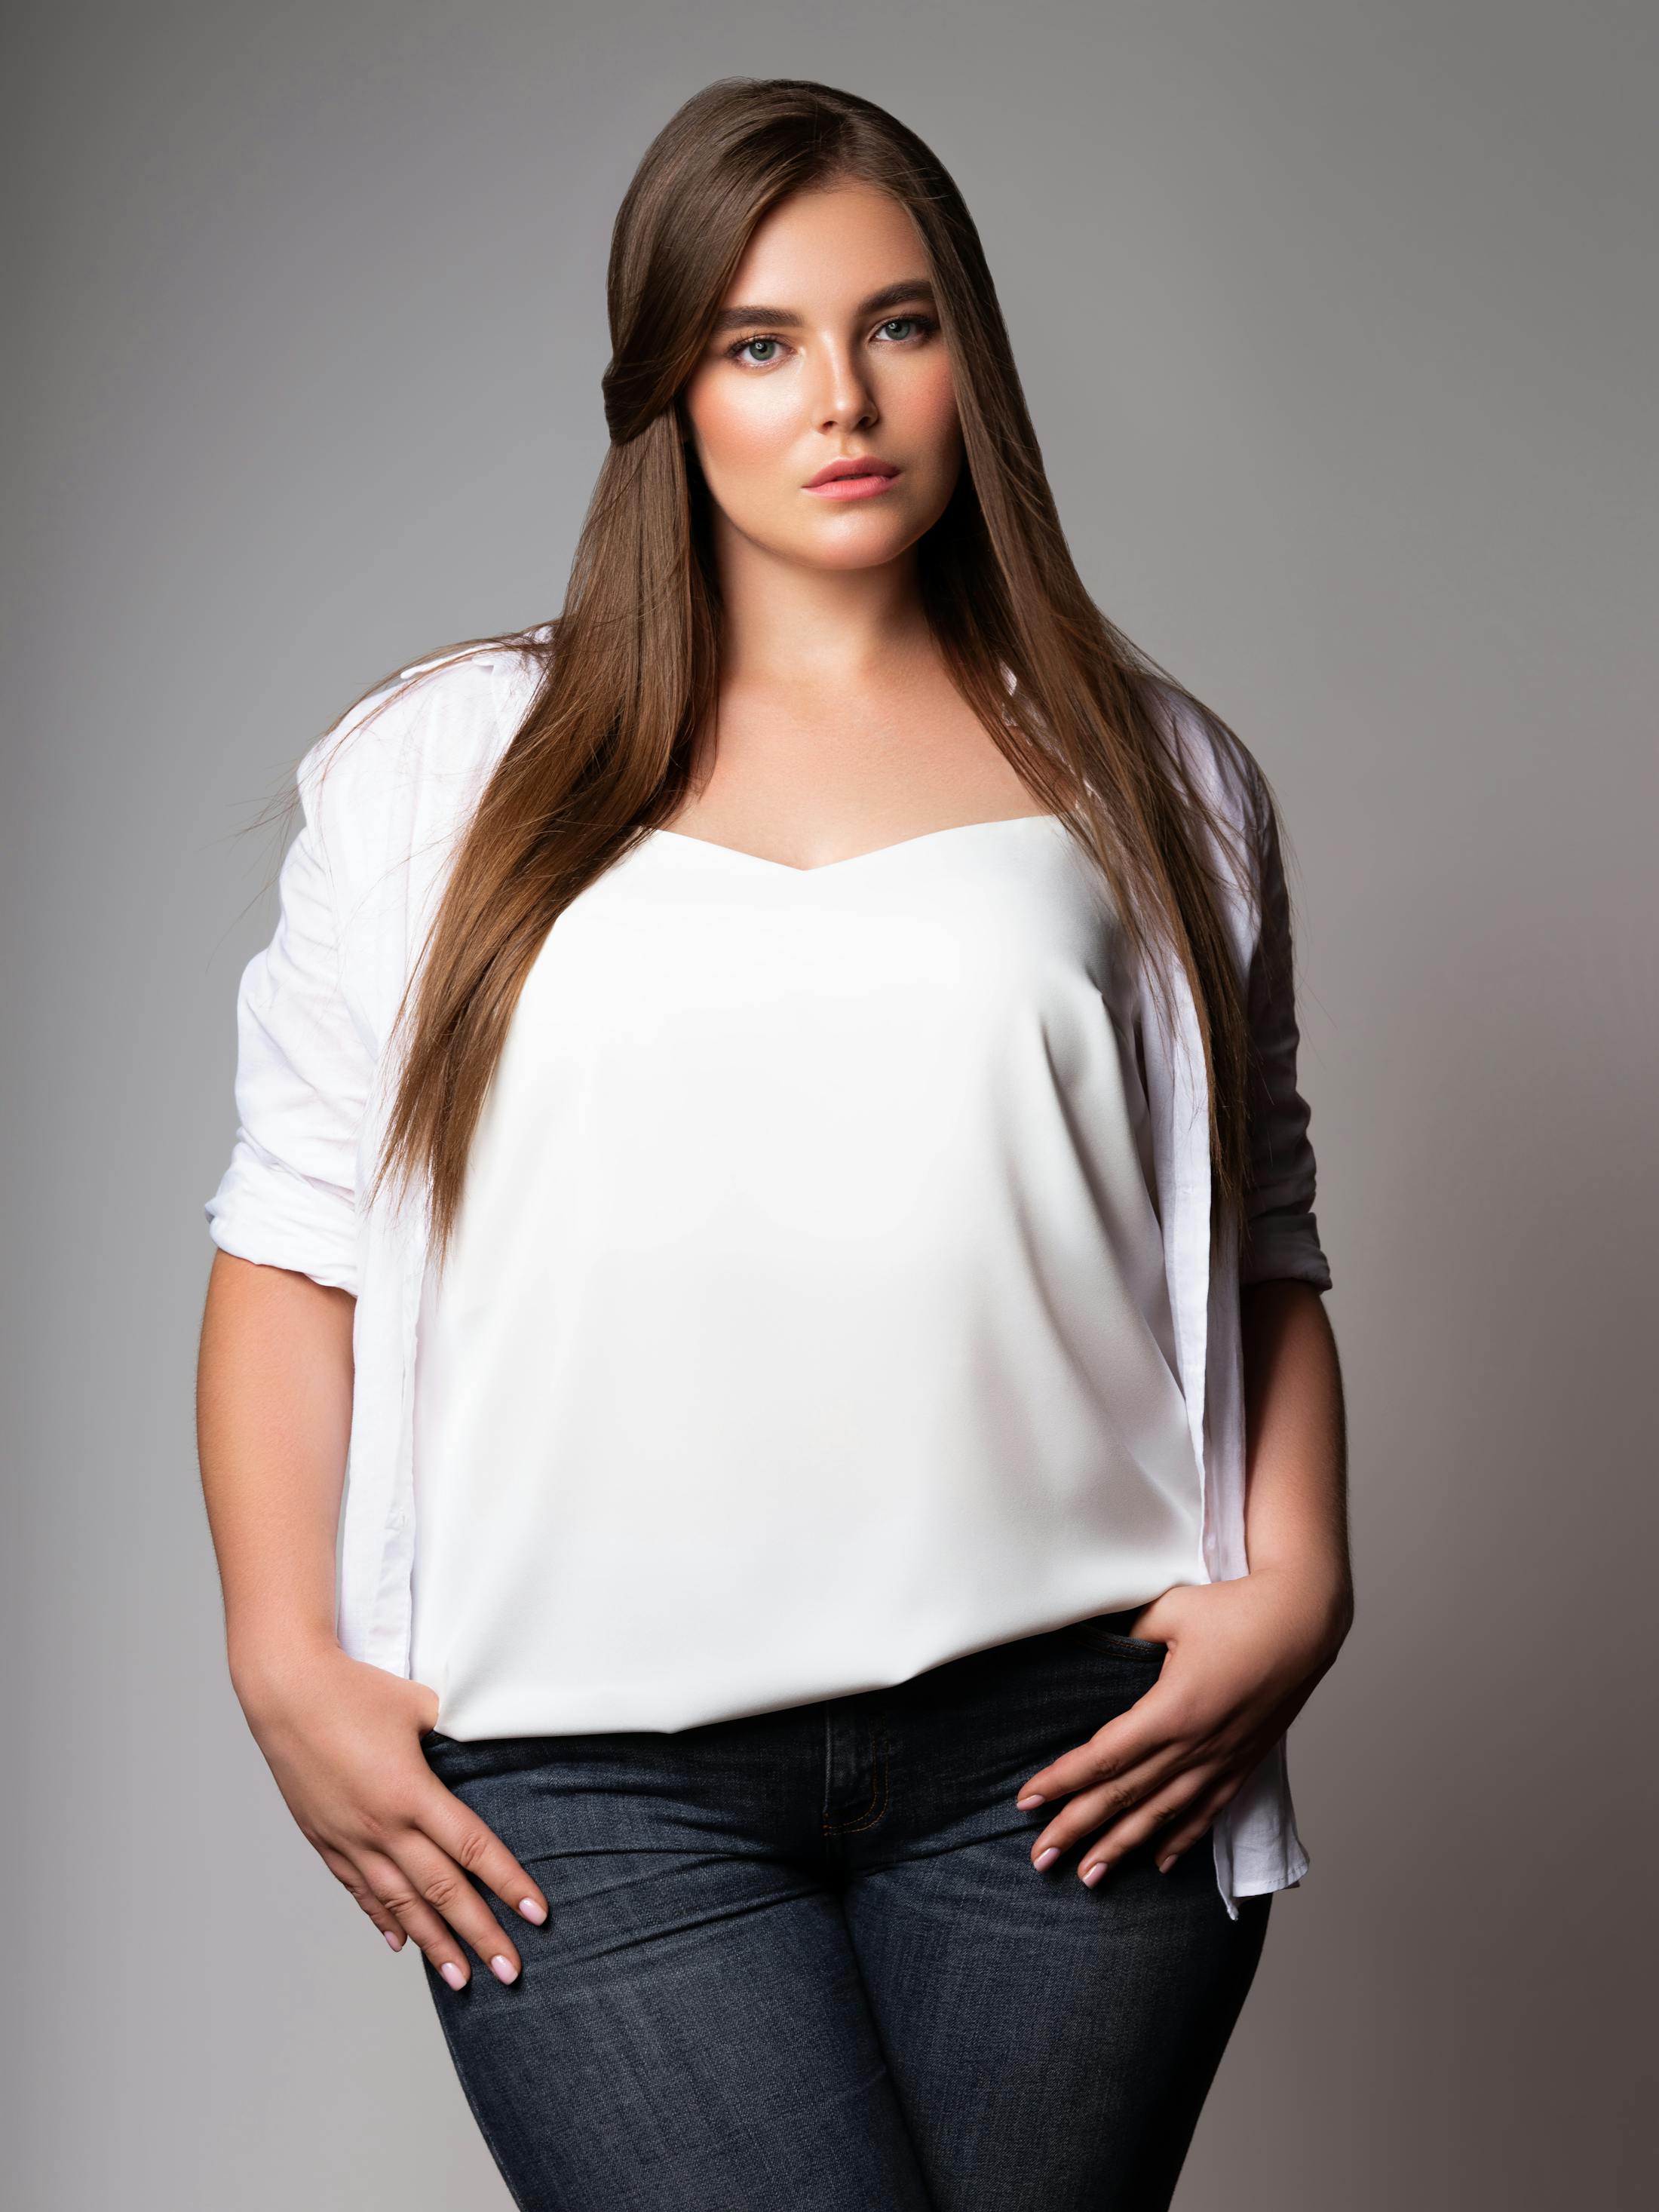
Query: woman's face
(828, 347)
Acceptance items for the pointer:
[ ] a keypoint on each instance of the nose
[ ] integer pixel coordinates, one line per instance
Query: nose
(843, 398)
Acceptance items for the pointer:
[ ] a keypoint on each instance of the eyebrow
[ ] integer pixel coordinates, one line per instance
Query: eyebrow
(891, 295)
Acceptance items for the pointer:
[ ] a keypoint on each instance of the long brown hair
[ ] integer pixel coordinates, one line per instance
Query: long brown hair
(629, 669)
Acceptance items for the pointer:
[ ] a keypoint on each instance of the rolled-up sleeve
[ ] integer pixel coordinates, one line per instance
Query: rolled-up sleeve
(1281, 1231)
(289, 1197)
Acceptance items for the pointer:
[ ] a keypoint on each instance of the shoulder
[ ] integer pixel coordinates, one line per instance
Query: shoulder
(420, 743)
(433, 716)
(1216, 759)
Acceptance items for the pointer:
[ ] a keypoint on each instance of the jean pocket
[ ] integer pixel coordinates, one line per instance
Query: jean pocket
(1099, 1634)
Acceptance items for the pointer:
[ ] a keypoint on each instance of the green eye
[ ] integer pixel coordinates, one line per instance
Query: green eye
(914, 329)
(909, 329)
(744, 347)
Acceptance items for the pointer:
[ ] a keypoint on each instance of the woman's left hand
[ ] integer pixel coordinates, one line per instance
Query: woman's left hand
(1244, 1657)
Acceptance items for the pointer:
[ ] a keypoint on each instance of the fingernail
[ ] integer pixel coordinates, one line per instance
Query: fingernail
(503, 1969)
(392, 1937)
(531, 1911)
(1031, 1797)
(1046, 1858)
(1094, 1874)
(1163, 1865)
(453, 1974)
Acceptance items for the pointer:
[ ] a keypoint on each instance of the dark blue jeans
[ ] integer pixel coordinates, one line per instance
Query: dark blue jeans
(801, 1962)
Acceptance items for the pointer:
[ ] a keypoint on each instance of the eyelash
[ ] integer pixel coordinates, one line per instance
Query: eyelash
(926, 325)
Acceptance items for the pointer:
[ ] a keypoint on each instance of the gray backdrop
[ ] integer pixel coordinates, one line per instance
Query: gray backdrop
(1337, 321)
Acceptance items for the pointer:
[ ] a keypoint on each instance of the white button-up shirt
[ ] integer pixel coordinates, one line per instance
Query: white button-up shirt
(385, 797)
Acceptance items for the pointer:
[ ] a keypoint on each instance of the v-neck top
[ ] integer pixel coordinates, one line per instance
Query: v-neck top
(806, 1322)
(385, 796)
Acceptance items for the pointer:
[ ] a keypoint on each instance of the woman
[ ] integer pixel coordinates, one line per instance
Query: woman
(803, 1048)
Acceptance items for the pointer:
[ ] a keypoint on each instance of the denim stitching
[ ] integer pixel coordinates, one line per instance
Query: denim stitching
(1104, 1639)
(878, 1808)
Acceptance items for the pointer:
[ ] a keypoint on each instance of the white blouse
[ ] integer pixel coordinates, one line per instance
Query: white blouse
(385, 795)
(806, 1322)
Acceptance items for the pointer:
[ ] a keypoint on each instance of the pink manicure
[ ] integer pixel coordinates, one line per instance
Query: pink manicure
(503, 1969)
(1094, 1874)
(453, 1974)
(396, 1941)
(1031, 1797)
(531, 1911)
(1046, 1858)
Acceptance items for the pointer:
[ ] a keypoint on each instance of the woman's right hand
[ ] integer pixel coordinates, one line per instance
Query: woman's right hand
(343, 1739)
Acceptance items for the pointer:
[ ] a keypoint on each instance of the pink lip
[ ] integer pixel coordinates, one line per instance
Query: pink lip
(861, 487)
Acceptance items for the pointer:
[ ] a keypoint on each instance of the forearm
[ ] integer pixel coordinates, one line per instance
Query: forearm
(274, 1392)
(1296, 1464)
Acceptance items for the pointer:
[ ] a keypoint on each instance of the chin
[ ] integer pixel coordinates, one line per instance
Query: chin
(847, 558)
(864, 541)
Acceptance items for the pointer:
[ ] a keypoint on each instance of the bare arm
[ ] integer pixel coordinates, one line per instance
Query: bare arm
(273, 1414)
(342, 1738)
(1297, 1470)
